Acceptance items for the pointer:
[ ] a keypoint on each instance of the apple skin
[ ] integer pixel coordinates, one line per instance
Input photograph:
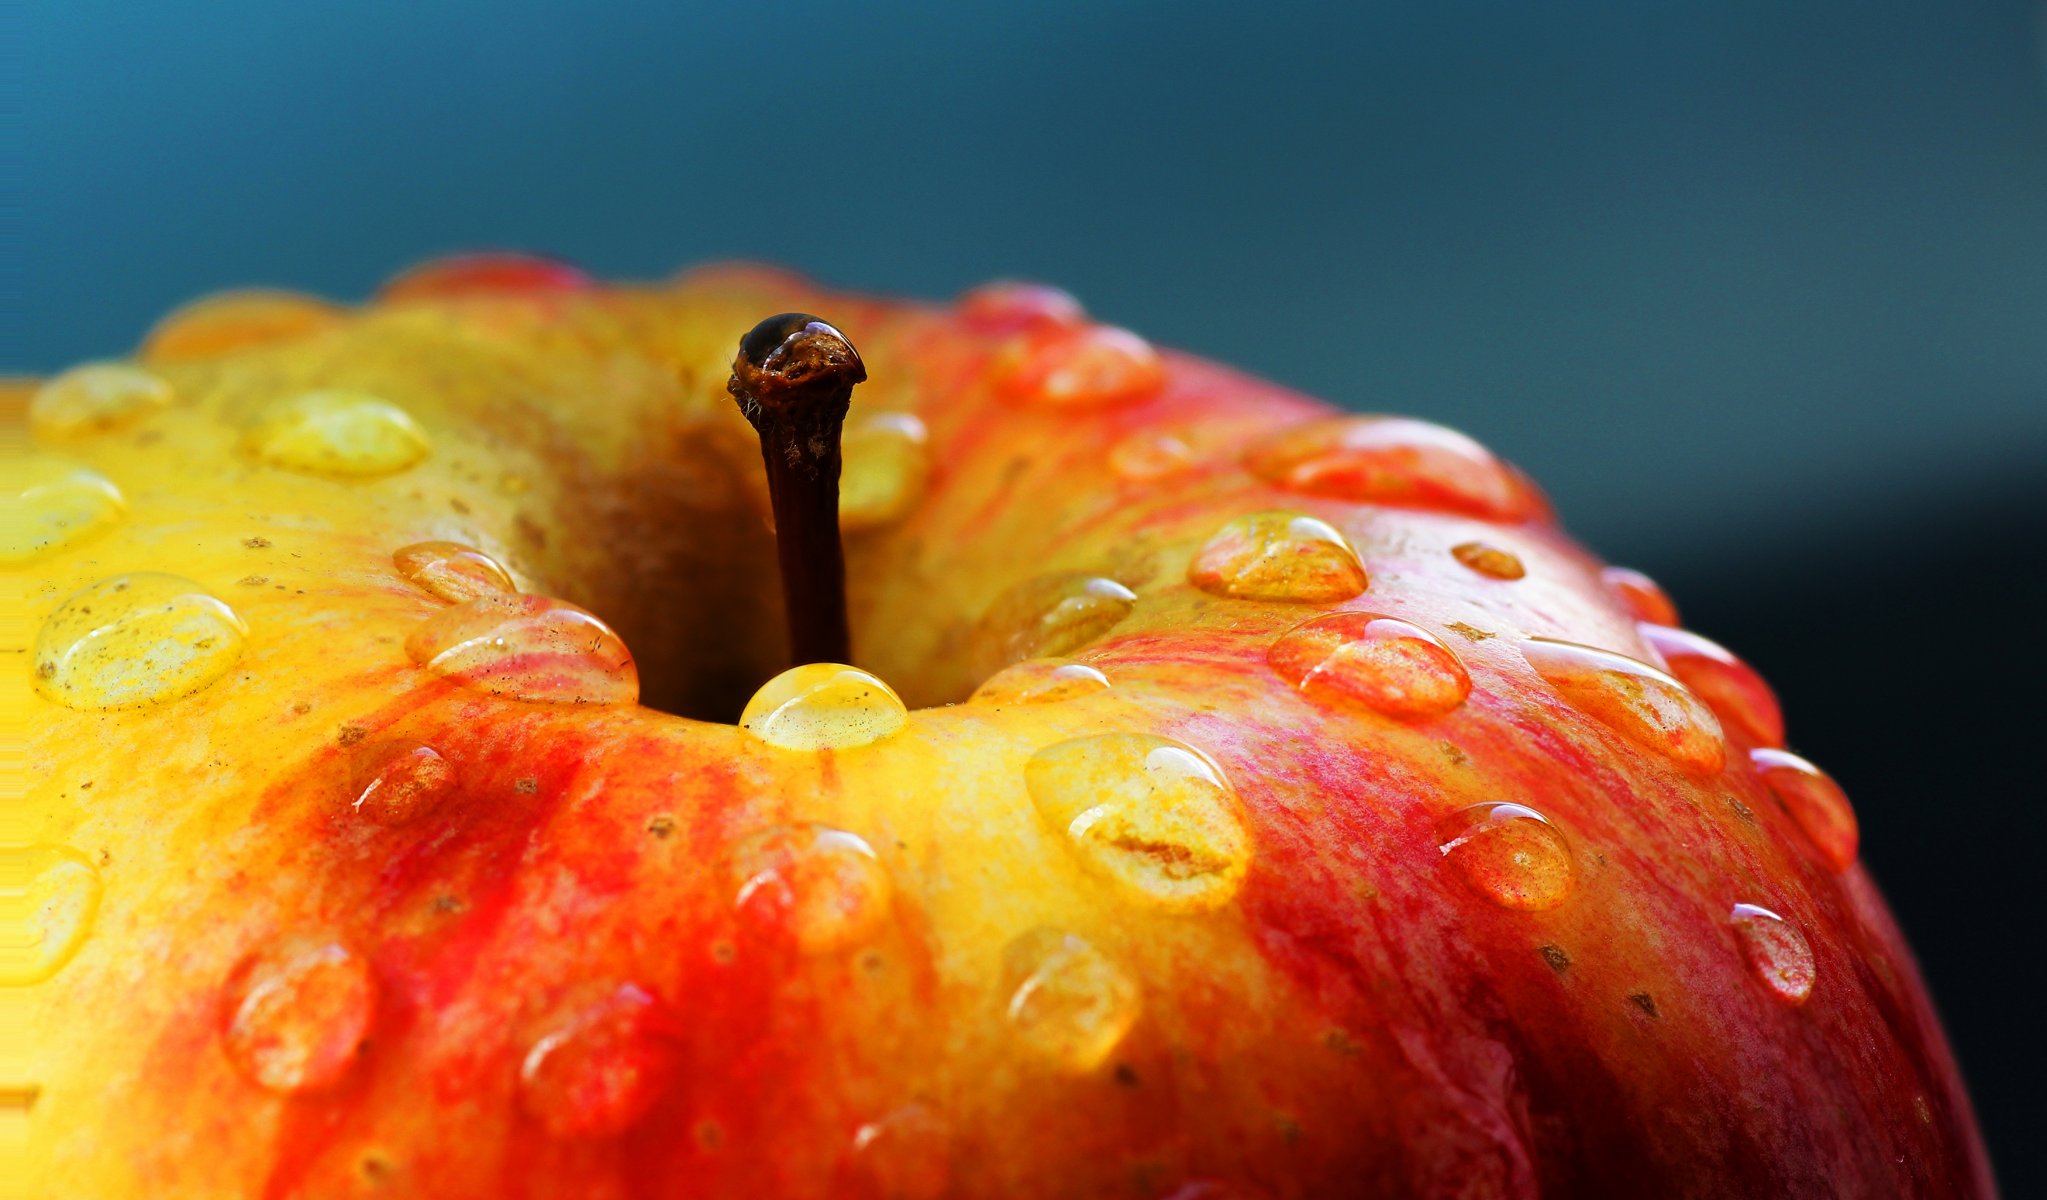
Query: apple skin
(1355, 1017)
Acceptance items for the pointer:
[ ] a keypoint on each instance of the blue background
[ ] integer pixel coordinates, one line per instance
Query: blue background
(1757, 289)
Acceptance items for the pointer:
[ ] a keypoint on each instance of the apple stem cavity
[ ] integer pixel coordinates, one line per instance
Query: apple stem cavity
(794, 377)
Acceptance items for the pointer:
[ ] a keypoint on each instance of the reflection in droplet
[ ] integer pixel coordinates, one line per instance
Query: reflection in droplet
(527, 648)
(297, 1013)
(1633, 698)
(452, 571)
(1816, 803)
(1068, 1004)
(1382, 663)
(397, 782)
(1729, 686)
(49, 504)
(1280, 556)
(340, 433)
(1040, 681)
(905, 1155)
(821, 887)
(1777, 954)
(1390, 460)
(824, 706)
(1511, 854)
(1085, 366)
(603, 1061)
(48, 896)
(1050, 615)
(132, 640)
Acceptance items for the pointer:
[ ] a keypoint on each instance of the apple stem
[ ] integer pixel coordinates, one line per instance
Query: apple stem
(794, 378)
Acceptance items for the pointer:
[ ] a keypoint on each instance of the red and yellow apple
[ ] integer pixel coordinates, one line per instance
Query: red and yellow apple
(1232, 798)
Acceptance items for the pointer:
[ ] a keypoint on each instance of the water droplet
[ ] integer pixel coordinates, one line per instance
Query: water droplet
(1151, 456)
(48, 895)
(1729, 686)
(1050, 615)
(298, 1013)
(1777, 953)
(1385, 664)
(1489, 560)
(1087, 366)
(1510, 854)
(1146, 812)
(1390, 460)
(1278, 556)
(823, 706)
(1008, 305)
(821, 887)
(527, 648)
(453, 571)
(886, 464)
(399, 781)
(1634, 699)
(482, 274)
(343, 433)
(1815, 802)
(227, 322)
(1639, 595)
(137, 639)
(48, 504)
(1040, 681)
(95, 398)
(1069, 1005)
(904, 1156)
(603, 1062)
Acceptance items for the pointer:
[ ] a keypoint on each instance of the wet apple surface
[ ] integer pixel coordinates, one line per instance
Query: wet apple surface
(1223, 796)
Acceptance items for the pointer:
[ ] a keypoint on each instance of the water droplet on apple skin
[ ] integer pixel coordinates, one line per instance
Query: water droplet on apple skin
(1151, 456)
(135, 640)
(1285, 557)
(482, 274)
(50, 504)
(1068, 1005)
(1151, 815)
(1776, 953)
(531, 648)
(1079, 367)
(1381, 663)
(887, 464)
(1040, 681)
(397, 782)
(1639, 595)
(452, 571)
(297, 1013)
(49, 896)
(604, 1059)
(1048, 616)
(1392, 461)
(1729, 686)
(1510, 854)
(337, 433)
(903, 1155)
(1816, 803)
(822, 889)
(234, 321)
(1489, 560)
(96, 398)
(824, 706)
(1011, 306)
(1635, 700)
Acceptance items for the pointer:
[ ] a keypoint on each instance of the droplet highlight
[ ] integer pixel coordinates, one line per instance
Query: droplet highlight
(1777, 954)
(133, 640)
(886, 466)
(905, 1155)
(1009, 306)
(602, 1064)
(1280, 556)
(1040, 681)
(1150, 814)
(820, 887)
(1489, 560)
(824, 706)
(96, 398)
(1382, 663)
(1050, 615)
(297, 1014)
(1816, 803)
(1639, 595)
(1510, 854)
(490, 272)
(229, 322)
(48, 897)
(50, 504)
(339, 433)
(527, 648)
(397, 782)
(1390, 460)
(452, 571)
(1069, 1005)
(1089, 366)
(1729, 686)
(1635, 700)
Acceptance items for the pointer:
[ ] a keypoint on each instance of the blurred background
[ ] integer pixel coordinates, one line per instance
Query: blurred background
(1757, 289)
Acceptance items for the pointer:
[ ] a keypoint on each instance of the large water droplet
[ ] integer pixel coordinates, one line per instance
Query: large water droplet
(399, 781)
(1489, 560)
(1815, 802)
(48, 895)
(1390, 460)
(1729, 686)
(1385, 664)
(1639, 595)
(489, 272)
(341, 433)
(95, 398)
(1149, 813)
(1007, 306)
(298, 1013)
(906, 1155)
(1069, 1005)
(603, 1062)
(227, 322)
(1040, 681)
(1088, 366)
(823, 706)
(1634, 699)
(821, 887)
(1278, 556)
(1776, 952)
(137, 639)
(1048, 616)
(48, 504)
(453, 571)
(527, 648)
(1510, 854)
(886, 464)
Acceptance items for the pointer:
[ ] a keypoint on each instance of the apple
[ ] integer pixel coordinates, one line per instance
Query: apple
(1218, 795)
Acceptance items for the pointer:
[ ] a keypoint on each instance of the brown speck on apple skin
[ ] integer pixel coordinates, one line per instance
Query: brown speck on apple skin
(526, 785)
(1469, 633)
(257, 543)
(349, 735)
(1556, 958)
(1645, 1002)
